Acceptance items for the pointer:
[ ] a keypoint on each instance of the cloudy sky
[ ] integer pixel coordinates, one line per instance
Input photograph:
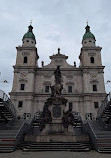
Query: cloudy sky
(57, 23)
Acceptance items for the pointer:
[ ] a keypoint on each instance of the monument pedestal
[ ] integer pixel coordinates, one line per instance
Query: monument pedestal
(56, 124)
(53, 128)
(57, 138)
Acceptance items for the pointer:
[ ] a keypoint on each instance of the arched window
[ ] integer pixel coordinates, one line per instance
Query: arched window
(92, 59)
(25, 59)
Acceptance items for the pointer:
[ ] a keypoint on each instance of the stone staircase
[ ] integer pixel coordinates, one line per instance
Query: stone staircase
(11, 128)
(5, 114)
(100, 137)
(7, 110)
(11, 135)
(106, 115)
(36, 122)
(100, 129)
(55, 146)
(103, 141)
(77, 120)
(104, 112)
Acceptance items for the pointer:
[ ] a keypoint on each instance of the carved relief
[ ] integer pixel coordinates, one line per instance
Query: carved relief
(47, 83)
(92, 54)
(70, 83)
(100, 71)
(25, 53)
(69, 76)
(56, 111)
(58, 62)
(86, 71)
(42, 74)
(93, 77)
(23, 77)
(47, 75)
(23, 74)
(23, 80)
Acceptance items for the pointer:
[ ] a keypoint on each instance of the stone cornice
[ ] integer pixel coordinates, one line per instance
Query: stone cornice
(59, 56)
(19, 48)
(62, 69)
(22, 93)
(24, 67)
(92, 67)
(75, 94)
(83, 95)
(91, 48)
(30, 69)
(37, 69)
(94, 94)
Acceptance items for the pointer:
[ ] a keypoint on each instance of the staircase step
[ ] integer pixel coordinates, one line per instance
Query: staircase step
(55, 146)
(104, 150)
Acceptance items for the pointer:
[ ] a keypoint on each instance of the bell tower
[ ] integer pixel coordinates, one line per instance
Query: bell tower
(92, 72)
(90, 53)
(24, 75)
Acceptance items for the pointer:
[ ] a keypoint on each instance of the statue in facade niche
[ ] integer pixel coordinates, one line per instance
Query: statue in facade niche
(57, 74)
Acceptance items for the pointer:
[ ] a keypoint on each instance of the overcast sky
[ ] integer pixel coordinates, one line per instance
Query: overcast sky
(57, 23)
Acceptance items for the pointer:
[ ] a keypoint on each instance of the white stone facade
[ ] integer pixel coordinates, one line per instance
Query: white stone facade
(83, 86)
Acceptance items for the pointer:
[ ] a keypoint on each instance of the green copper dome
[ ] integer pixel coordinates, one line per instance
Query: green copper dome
(29, 33)
(88, 34)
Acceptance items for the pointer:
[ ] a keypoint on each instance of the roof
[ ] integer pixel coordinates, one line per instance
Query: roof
(88, 34)
(29, 33)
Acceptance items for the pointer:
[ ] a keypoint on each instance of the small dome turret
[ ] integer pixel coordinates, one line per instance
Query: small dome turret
(88, 38)
(29, 37)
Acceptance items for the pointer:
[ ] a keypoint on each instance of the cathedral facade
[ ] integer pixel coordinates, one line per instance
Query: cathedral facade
(83, 86)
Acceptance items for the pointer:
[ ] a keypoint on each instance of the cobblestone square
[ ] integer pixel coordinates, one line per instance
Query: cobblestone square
(60, 154)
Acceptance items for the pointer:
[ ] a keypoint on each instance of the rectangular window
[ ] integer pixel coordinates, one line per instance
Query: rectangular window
(70, 105)
(25, 59)
(92, 59)
(20, 104)
(47, 89)
(22, 86)
(69, 89)
(94, 87)
(96, 105)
